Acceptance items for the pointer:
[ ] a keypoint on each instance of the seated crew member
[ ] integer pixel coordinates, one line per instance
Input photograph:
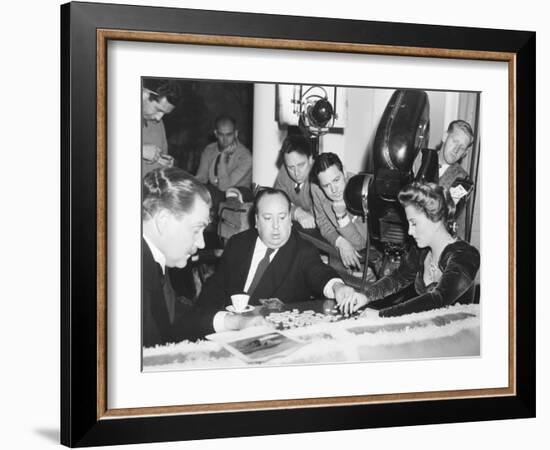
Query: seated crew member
(346, 232)
(157, 100)
(226, 163)
(175, 211)
(270, 261)
(455, 145)
(441, 267)
(293, 178)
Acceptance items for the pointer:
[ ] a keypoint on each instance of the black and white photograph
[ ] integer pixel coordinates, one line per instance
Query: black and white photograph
(303, 224)
(275, 225)
(279, 224)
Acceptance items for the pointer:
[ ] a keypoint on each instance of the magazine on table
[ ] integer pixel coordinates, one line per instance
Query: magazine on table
(257, 344)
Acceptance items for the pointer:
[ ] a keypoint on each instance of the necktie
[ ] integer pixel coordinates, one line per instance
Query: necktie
(169, 295)
(262, 266)
(297, 189)
(216, 164)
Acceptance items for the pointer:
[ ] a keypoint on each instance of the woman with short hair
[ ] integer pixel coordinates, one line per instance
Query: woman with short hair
(441, 267)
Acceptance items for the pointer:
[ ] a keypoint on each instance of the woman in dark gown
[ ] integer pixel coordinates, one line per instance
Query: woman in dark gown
(441, 267)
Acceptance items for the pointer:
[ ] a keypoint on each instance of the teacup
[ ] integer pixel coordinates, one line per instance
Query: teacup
(240, 302)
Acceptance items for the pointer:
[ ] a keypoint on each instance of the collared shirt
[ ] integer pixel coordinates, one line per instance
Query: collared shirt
(300, 199)
(259, 252)
(158, 256)
(226, 154)
(234, 168)
(442, 168)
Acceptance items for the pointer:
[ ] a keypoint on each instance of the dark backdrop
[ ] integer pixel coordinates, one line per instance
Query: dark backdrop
(189, 128)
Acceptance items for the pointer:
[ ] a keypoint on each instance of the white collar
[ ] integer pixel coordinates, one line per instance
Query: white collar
(158, 256)
(260, 247)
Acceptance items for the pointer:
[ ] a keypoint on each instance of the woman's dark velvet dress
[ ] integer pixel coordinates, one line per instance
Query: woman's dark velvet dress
(458, 263)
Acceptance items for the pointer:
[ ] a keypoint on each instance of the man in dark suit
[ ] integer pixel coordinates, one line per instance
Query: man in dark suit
(269, 261)
(165, 318)
(175, 212)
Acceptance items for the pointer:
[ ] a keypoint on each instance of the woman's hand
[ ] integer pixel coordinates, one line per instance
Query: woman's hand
(370, 313)
(353, 303)
(348, 255)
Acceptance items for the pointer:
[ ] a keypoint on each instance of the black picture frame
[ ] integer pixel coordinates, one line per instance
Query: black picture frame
(84, 419)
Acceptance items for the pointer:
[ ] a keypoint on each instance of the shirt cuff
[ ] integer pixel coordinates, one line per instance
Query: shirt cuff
(328, 290)
(219, 321)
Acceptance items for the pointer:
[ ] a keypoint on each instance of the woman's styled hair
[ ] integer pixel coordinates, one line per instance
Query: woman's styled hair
(433, 200)
(172, 189)
(323, 162)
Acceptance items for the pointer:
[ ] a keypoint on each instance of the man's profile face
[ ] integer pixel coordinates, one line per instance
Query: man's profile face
(298, 166)
(333, 183)
(154, 110)
(182, 235)
(273, 220)
(455, 146)
(226, 134)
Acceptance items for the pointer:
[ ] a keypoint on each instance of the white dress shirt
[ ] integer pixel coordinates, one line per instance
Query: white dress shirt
(259, 252)
(158, 256)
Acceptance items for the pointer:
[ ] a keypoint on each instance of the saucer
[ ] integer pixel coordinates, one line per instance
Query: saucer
(231, 308)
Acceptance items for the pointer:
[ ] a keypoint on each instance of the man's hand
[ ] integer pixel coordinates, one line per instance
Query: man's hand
(240, 321)
(342, 292)
(339, 208)
(304, 218)
(352, 303)
(233, 192)
(151, 153)
(348, 255)
(166, 160)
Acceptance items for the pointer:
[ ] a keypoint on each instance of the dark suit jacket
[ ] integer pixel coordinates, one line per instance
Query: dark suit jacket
(296, 273)
(453, 172)
(157, 329)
